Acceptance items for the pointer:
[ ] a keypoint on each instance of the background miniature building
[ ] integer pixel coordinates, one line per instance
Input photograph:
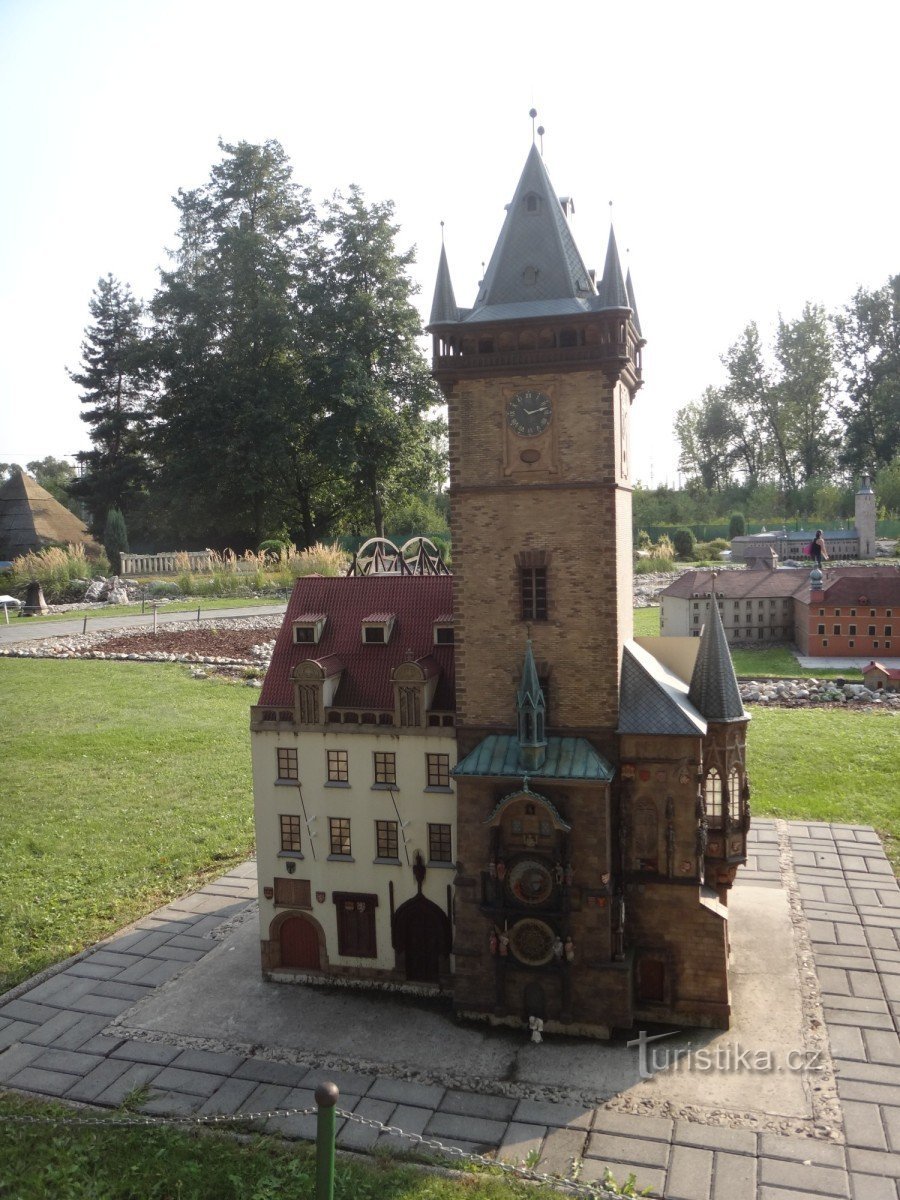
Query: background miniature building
(844, 611)
(858, 542)
(30, 519)
(601, 797)
(878, 677)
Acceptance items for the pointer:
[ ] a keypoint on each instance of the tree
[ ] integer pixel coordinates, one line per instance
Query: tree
(115, 538)
(56, 476)
(371, 379)
(867, 340)
(114, 379)
(232, 415)
(800, 403)
(708, 435)
(737, 526)
(745, 395)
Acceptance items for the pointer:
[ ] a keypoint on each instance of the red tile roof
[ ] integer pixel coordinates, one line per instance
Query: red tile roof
(879, 587)
(415, 600)
(890, 672)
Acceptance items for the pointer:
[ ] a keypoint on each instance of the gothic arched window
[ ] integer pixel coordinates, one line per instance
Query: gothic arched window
(734, 795)
(712, 796)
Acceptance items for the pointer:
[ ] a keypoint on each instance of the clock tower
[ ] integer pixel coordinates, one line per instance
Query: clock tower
(602, 799)
(539, 377)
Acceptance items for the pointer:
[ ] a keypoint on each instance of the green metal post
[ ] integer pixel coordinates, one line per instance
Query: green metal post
(326, 1098)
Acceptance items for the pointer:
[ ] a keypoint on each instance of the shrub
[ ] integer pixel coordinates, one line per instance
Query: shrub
(653, 565)
(664, 549)
(737, 526)
(274, 549)
(643, 540)
(162, 589)
(115, 538)
(684, 542)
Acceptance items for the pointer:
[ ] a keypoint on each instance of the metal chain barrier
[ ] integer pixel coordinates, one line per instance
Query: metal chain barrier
(573, 1186)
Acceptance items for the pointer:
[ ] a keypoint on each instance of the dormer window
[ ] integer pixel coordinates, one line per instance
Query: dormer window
(308, 628)
(532, 202)
(443, 631)
(377, 627)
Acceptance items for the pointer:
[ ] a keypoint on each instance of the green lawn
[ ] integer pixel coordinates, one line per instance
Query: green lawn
(67, 1163)
(123, 785)
(772, 660)
(190, 604)
(828, 765)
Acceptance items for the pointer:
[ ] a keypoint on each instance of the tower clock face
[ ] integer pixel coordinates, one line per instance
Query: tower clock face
(528, 413)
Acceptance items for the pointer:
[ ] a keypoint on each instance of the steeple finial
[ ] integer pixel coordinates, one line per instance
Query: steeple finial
(541, 132)
(532, 112)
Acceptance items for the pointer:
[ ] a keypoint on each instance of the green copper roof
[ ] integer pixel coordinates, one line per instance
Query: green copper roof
(567, 758)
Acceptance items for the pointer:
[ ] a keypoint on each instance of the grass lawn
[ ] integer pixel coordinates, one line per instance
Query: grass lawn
(124, 784)
(828, 765)
(190, 604)
(159, 1164)
(772, 660)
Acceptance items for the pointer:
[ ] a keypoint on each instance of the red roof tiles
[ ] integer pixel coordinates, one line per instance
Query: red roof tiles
(416, 601)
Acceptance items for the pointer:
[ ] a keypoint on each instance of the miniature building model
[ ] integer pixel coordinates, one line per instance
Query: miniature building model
(858, 542)
(845, 611)
(601, 799)
(30, 519)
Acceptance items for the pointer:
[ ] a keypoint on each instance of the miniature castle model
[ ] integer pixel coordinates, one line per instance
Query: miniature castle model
(858, 542)
(481, 784)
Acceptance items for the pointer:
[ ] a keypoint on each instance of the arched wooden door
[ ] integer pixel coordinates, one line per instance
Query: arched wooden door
(299, 944)
(423, 936)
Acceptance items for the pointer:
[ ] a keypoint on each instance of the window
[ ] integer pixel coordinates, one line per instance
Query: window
(290, 833)
(308, 628)
(294, 893)
(851, 643)
(377, 628)
(734, 794)
(712, 794)
(533, 583)
(887, 630)
(439, 843)
(438, 770)
(824, 641)
(339, 829)
(386, 839)
(373, 633)
(871, 612)
(836, 629)
(337, 766)
(852, 612)
(385, 768)
(443, 635)
(356, 924)
(871, 631)
(837, 612)
(287, 763)
(820, 629)
(531, 202)
(851, 630)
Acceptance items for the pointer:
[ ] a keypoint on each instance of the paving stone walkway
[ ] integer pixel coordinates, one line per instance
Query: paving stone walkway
(57, 1039)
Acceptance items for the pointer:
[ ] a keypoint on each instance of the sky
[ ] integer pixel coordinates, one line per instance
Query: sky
(749, 150)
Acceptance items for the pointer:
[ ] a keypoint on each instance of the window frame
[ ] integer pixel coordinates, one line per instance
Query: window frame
(440, 838)
(292, 835)
(384, 767)
(287, 764)
(339, 835)
(387, 835)
(533, 593)
(437, 771)
(337, 766)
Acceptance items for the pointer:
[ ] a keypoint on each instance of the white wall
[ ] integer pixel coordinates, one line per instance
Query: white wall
(363, 804)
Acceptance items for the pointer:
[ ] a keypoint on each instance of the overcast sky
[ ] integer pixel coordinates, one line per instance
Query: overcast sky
(750, 151)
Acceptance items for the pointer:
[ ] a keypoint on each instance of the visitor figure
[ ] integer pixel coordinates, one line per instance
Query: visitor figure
(817, 548)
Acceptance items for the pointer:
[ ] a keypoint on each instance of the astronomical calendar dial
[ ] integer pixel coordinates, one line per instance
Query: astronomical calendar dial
(528, 413)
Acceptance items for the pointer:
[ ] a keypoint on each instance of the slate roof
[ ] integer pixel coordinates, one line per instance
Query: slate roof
(739, 585)
(30, 518)
(653, 700)
(416, 602)
(714, 688)
(567, 758)
(629, 289)
(443, 306)
(536, 269)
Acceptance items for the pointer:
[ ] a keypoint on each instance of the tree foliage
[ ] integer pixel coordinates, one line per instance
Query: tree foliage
(115, 538)
(114, 378)
(867, 343)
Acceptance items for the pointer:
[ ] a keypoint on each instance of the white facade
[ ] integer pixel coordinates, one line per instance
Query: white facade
(418, 813)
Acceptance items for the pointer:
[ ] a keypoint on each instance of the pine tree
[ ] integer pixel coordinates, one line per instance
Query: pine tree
(114, 379)
(229, 345)
(115, 538)
(372, 378)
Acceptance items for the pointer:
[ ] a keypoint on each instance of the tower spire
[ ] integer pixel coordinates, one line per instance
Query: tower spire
(612, 292)
(714, 688)
(443, 306)
(532, 712)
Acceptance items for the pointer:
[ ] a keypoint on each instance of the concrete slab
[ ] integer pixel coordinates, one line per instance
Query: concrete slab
(223, 998)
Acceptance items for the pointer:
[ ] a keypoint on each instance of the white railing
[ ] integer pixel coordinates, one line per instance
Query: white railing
(168, 563)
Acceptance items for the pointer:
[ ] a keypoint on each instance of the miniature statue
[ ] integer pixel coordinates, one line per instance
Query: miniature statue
(569, 950)
(558, 873)
(504, 944)
(557, 948)
(536, 1025)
